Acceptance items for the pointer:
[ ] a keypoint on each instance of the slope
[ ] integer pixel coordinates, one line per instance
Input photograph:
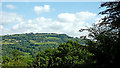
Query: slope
(31, 43)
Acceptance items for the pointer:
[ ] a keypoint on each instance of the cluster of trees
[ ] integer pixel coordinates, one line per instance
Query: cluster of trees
(66, 55)
(105, 37)
(18, 59)
(70, 54)
(33, 43)
(101, 49)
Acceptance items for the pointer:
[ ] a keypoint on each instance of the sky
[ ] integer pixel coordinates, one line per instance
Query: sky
(48, 17)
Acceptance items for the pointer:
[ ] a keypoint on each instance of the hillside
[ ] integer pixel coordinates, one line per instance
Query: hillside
(30, 44)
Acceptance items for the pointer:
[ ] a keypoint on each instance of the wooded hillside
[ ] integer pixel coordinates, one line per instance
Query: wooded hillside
(31, 43)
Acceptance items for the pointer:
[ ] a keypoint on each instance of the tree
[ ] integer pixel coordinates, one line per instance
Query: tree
(70, 54)
(112, 13)
(16, 60)
(112, 19)
(105, 37)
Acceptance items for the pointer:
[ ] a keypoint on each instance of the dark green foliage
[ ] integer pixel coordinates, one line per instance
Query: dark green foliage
(102, 45)
(112, 19)
(18, 59)
(21, 49)
(33, 43)
(105, 38)
(112, 14)
(70, 54)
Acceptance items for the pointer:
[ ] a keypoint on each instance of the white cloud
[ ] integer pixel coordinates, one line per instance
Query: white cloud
(0, 4)
(66, 17)
(66, 23)
(85, 15)
(41, 9)
(4, 31)
(80, 16)
(9, 18)
(10, 6)
(1, 27)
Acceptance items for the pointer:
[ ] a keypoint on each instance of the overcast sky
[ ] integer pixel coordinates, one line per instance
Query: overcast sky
(48, 17)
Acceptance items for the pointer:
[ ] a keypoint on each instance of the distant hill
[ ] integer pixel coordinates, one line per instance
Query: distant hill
(31, 43)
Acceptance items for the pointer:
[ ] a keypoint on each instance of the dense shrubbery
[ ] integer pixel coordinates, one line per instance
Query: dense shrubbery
(70, 54)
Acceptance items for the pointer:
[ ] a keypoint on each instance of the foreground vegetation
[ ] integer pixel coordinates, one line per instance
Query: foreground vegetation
(67, 54)
(101, 49)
